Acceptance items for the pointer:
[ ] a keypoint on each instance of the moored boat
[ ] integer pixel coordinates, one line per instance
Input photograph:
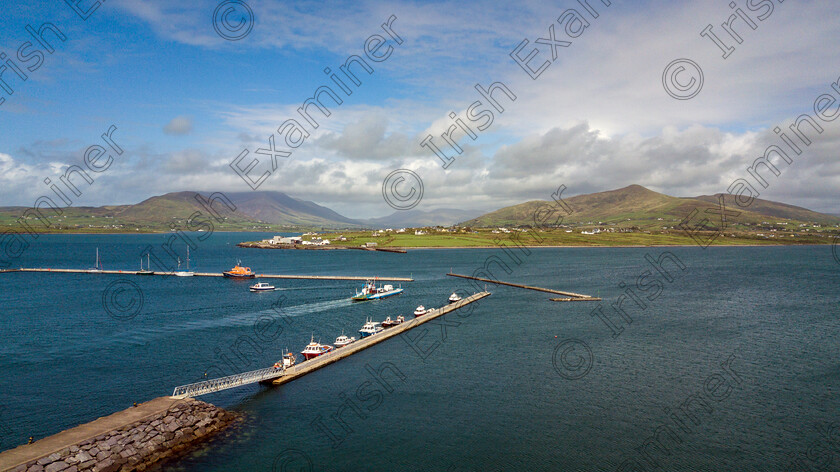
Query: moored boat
(388, 323)
(148, 270)
(371, 292)
(98, 268)
(239, 272)
(454, 298)
(261, 287)
(343, 340)
(370, 328)
(188, 272)
(420, 311)
(287, 361)
(313, 349)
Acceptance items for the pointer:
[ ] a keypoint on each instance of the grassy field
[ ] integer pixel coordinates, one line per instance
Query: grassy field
(559, 237)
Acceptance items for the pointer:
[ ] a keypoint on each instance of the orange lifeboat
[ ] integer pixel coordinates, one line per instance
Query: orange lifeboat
(239, 272)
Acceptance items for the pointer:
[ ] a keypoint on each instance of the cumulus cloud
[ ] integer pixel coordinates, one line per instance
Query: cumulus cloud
(179, 126)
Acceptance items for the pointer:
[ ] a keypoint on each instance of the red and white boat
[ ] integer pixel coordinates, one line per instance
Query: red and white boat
(313, 349)
(390, 323)
(420, 311)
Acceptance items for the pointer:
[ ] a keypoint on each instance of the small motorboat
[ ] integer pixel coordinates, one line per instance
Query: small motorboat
(343, 340)
(313, 349)
(454, 298)
(420, 311)
(287, 361)
(388, 323)
(239, 272)
(261, 287)
(370, 328)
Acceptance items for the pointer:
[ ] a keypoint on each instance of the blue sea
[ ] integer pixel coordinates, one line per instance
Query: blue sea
(718, 359)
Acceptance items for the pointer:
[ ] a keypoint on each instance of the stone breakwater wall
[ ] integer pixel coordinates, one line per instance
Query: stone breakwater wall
(136, 446)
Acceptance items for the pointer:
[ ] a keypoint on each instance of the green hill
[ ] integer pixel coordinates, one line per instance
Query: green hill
(638, 206)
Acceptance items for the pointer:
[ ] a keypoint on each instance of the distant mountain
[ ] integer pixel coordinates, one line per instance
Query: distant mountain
(252, 209)
(279, 208)
(637, 205)
(420, 218)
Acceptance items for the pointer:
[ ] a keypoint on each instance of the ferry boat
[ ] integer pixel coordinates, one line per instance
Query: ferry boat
(371, 292)
(148, 270)
(388, 323)
(343, 340)
(288, 360)
(420, 311)
(239, 272)
(370, 328)
(261, 287)
(313, 349)
(454, 298)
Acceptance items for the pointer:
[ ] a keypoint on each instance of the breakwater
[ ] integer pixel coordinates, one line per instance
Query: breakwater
(129, 440)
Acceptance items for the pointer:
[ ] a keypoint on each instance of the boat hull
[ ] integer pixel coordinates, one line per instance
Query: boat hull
(376, 296)
(238, 276)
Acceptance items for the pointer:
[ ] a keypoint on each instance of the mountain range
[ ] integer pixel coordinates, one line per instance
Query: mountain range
(633, 205)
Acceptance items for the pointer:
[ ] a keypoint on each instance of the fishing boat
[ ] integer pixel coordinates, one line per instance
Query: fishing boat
(184, 273)
(388, 323)
(98, 267)
(239, 272)
(371, 292)
(287, 361)
(370, 328)
(261, 287)
(148, 270)
(420, 311)
(343, 340)
(313, 349)
(454, 298)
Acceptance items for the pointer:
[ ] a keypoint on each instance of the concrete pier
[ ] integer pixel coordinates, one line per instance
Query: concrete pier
(323, 360)
(219, 274)
(528, 287)
(131, 439)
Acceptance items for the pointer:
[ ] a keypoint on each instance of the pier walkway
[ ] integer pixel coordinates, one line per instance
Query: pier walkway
(49, 445)
(570, 296)
(219, 274)
(278, 377)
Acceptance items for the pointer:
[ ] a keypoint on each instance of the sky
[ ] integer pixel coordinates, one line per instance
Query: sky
(191, 85)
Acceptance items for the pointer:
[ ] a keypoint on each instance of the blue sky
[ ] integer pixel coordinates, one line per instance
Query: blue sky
(187, 101)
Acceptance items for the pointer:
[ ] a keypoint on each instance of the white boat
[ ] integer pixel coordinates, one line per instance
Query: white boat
(98, 268)
(388, 323)
(454, 298)
(288, 360)
(370, 328)
(420, 311)
(148, 270)
(343, 340)
(371, 292)
(261, 287)
(185, 273)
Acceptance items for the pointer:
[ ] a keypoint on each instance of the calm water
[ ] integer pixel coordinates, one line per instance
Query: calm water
(481, 393)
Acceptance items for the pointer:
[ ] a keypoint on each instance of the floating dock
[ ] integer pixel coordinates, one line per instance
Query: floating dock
(570, 296)
(279, 376)
(219, 274)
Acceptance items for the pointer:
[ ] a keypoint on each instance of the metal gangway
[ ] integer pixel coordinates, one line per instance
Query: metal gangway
(231, 381)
